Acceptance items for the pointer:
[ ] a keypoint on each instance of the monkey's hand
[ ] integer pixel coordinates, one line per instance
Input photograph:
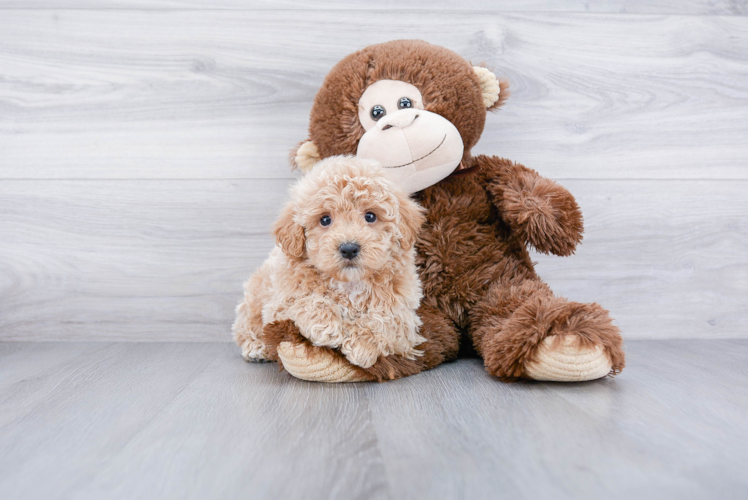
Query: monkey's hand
(321, 364)
(543, 213)
(305, 361)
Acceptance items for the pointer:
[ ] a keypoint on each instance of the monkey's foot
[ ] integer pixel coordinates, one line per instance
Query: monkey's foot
(550, 338)
(318, 365)
(565, 359)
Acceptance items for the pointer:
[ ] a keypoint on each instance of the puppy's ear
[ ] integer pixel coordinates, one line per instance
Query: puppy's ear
(411, 220)
(289, 235)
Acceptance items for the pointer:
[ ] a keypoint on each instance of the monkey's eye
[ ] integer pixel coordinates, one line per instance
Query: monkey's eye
(378, 112)
(404, 103)
(370, 217)
(326, 220)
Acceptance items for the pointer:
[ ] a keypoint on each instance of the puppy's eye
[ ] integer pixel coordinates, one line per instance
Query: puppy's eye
(370, 217)
(378, 112)
(325, 220)
(404, 103)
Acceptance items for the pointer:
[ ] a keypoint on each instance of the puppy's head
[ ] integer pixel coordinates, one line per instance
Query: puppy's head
(347, 219)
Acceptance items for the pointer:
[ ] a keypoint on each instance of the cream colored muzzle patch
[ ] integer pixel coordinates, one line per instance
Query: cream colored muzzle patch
(415, 147)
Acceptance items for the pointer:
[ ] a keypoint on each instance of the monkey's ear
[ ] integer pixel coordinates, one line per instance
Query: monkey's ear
(289, 235)
(305, 156)
(494, 90)
(411, 220)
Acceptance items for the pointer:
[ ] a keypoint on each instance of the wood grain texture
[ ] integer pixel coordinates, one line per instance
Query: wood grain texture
(182, 421)
(143, 153)
(668, 258)
(164, 260)
(225, 94)
(619, 438)
(195, 421)
(693, 7)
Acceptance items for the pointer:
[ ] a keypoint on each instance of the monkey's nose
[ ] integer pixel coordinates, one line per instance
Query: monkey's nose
(349, 250)
(400, 119)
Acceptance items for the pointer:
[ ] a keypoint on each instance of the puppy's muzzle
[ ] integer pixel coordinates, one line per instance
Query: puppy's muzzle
(349, 251)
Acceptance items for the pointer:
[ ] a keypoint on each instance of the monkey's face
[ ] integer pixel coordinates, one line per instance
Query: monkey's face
(416, 108)
(416, 147)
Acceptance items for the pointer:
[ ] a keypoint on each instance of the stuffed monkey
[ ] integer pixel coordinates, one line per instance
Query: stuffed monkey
(419, 109)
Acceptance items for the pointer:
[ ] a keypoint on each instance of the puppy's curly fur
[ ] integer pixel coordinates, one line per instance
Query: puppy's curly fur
(364, 307)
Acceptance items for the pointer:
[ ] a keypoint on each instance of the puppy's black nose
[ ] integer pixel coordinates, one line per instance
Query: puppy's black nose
(349, 250)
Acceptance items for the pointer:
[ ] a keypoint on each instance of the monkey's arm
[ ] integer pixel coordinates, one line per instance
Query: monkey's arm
(305, 361)
(299, 357)
(543, 213)
(321, 364)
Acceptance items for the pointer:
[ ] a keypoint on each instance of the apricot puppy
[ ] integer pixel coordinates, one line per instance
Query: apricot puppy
(343, 269)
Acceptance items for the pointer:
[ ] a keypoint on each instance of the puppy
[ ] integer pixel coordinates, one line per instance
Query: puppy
(343, 269)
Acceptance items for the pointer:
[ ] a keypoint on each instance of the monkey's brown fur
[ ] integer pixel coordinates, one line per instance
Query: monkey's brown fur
(476, 272)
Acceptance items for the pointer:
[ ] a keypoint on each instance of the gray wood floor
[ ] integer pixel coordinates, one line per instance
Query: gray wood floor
(176, 420)
(143, 150)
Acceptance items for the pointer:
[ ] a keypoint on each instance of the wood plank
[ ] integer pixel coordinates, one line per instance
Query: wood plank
(164, 260)
(156, 260)
(668, 258)
(219, 94)
(616, 438)
(32, 363)
(692, 7)
(37, 371)
(171, 420)
(89, 409)
(167, 414)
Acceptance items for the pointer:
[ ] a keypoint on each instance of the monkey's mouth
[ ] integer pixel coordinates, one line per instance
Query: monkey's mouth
(422, 157)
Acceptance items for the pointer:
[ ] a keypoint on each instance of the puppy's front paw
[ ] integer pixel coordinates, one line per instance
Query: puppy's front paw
(360, 352)
(254, 351)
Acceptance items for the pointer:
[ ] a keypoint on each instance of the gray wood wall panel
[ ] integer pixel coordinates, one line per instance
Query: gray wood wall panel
(161, 260)
(219, 94)
(143, 153)
(702, 7)
(668, 258)
(164, 260)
